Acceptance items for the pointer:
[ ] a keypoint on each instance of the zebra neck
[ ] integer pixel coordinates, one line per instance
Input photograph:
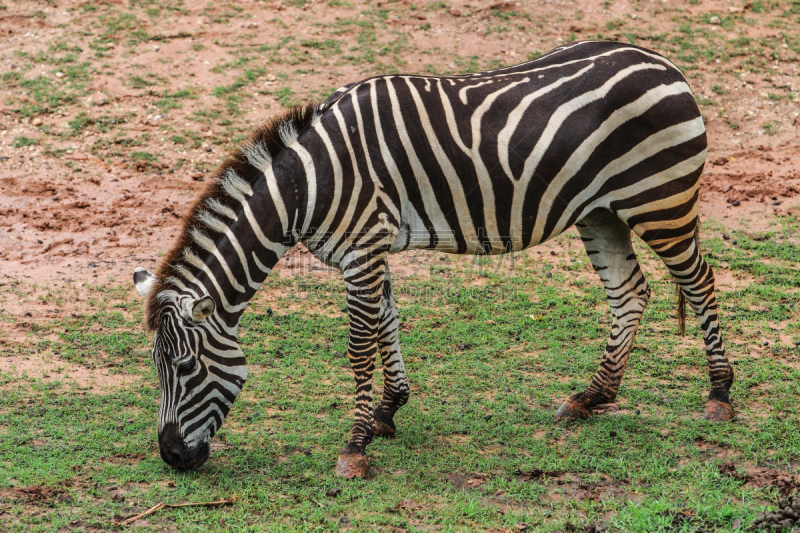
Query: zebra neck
(241, 243)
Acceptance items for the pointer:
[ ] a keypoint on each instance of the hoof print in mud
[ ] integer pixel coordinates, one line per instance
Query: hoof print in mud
(352, 466)
(718, 411)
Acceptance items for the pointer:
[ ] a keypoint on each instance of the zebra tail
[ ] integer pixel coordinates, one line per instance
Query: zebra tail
(681, 310)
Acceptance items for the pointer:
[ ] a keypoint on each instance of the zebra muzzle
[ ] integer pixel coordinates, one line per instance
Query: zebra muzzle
(176, 453)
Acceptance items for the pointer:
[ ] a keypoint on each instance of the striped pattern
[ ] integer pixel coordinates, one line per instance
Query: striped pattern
(603, 136)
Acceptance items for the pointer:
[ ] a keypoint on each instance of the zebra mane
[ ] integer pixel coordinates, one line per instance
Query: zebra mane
(248, 163)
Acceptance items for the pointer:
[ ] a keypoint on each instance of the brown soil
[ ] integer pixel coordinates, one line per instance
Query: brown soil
(761, 476)
(469, 480)
(573, 486)
(48, 367)
(35, 493)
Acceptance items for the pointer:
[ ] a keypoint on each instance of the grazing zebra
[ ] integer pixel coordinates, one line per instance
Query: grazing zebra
(603, 136)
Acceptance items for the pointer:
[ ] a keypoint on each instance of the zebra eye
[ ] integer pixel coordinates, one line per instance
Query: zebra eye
(187, 366)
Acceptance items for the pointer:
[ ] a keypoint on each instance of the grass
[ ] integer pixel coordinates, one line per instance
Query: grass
(530, 336)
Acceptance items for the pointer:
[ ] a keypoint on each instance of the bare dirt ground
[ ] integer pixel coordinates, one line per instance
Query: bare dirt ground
(112, 114)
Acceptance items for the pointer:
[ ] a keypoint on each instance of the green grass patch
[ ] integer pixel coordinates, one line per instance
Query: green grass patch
(491, 351)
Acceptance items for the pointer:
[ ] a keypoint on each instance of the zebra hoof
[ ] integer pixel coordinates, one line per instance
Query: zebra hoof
(717, 411)
(352, 465)
(382, 429)
(572, 410)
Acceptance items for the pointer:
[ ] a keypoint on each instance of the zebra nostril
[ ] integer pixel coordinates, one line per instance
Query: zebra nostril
(173, 450)
(176, 459)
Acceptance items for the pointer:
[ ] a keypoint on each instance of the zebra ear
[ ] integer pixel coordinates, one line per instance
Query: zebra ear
(144, 281)
(203, 308)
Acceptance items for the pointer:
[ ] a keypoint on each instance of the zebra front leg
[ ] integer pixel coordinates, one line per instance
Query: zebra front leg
(608, 243)
(364, 279)
(395, 381)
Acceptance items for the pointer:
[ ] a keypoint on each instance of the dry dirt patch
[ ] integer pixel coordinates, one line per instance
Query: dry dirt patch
(49, 367)
(762, 476)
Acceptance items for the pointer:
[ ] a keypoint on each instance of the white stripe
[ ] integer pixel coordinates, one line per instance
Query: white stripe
(582, 154)
(205, 242)
(344, 224)
(504, 137)
(311, 183)
(338, 177)
(553, 126)
(664, 139)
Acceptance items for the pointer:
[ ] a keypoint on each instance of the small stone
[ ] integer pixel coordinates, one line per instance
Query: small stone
(783, 502)
(736, 203)
(271, 78)
(522, 526)
(334, 492)
(59, 74)
(737, 523)
(36, 121)
(714, 20)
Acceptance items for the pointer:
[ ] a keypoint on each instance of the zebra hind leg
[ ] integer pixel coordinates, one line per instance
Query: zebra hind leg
(696, 281)
(608, 243)
(395, 381)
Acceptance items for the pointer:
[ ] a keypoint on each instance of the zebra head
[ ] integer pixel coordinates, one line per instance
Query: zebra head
(201, 370)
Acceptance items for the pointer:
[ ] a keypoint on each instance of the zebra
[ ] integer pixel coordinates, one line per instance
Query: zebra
(600, 135)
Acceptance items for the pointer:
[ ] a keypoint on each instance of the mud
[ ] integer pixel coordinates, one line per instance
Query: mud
(468, 481)
(571, 486)
(35, 493)
(761, 477)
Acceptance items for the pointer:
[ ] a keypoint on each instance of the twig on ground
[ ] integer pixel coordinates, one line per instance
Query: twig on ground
(157, 507)
(498, 6)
